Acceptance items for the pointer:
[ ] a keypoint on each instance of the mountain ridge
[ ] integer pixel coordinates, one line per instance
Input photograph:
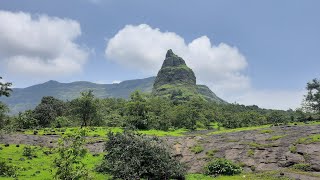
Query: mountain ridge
(26, 98)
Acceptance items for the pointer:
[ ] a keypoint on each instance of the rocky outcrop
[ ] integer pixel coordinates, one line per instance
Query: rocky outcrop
(174, 75)
(175, 78)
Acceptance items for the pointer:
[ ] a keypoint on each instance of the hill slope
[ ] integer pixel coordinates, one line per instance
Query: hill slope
(27, 98)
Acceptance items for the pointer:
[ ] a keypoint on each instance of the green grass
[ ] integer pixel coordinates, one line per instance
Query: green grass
(196, 149)
(102, 131)
(178, 132)
(274, 138)
(222, 130)
(293, 149)
(309, 139)
(250, 153)
(27, 168)
(302, 167)
(211, 153)
(270, 175)
(266, 131)
(257, 145)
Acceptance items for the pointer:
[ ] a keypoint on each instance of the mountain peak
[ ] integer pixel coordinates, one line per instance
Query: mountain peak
(172, 60)
(174, 74)
(170, 53)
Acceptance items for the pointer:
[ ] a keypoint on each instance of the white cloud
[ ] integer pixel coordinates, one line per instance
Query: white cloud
(116, 82)
(273, 99)
(220, 66)
(40, 46)
(143, 47)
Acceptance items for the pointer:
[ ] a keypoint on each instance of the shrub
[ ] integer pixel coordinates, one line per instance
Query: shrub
(302, 167)
(6, 170)
(134, 156)
(70, 153)
(222, 167)
(28, 151)
(293, 149)
(196, 149)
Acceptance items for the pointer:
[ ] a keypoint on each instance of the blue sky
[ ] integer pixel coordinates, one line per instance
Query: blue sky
(271, 47)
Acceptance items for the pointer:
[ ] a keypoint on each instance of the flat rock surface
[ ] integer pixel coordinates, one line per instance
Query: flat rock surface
(253, 149)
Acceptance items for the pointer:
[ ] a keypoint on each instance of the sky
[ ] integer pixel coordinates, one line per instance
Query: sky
(248, 52)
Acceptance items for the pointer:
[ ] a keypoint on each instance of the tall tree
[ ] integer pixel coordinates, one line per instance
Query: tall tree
(48, 110)
(85, 107)
(312, 98)
(5, 89)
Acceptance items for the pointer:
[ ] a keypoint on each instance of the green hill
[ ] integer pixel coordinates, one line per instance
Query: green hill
(174, 77)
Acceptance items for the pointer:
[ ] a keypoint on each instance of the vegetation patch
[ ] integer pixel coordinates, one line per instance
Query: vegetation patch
(211, 153)
(222, 167)
(309, 139)
(257, 145)
(239, 129)
(196, 149)
(293, 149)
(302, 167)
(40, 168)
(266, 131)
(274, 138)
(250, 153)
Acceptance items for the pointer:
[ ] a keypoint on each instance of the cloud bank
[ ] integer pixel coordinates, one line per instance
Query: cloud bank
(220, 66)
(40, 46)
(142, 47)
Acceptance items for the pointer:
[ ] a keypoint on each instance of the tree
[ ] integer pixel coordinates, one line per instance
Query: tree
(134, 156)
(48, 110)
(137, 111)
(70, 154)
(3, 117)
(312, 98)
(85, 107)
(5, 89)
(26, 120)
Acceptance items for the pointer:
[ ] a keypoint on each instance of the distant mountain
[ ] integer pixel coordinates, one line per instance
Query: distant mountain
(174, 77)
(27, 98)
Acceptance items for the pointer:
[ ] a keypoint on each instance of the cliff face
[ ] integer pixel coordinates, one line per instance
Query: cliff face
(174, 71)
(174, 76)
(176, 79)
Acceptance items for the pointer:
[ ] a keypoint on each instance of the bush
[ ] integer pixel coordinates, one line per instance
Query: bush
(28, 151)
(302, 167)
(222, 167)
(134, 156)
(70, 155)
(6, 170)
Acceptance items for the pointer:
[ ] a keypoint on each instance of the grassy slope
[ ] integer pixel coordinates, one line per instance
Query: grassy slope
(27, 169)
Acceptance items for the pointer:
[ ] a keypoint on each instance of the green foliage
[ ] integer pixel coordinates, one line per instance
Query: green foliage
(3, 115)
(85, 108)
(5, 89)
(222, 167)
(276, 118)
(293, 149)
(28, 151)
(312, 98)
(26, 120)
(133, 156)
(7, 170)
(250, 153)
(196, 149)
(309, 139)
(211, 153)
(266, 131)
(274, 138)
(302, 167)
(71, 152)
(48, 110)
